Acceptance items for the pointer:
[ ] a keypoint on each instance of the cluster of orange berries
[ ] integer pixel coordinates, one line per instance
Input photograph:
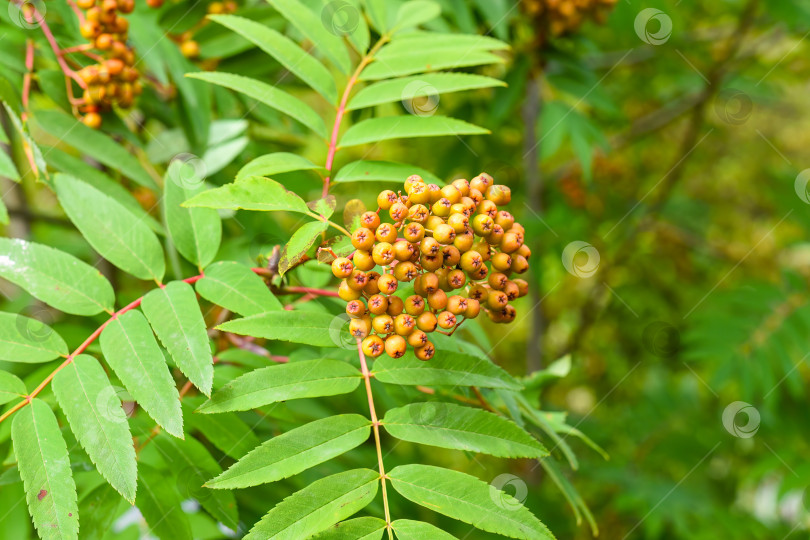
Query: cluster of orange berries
(456, 246)
(564, 16)
(114, 80)
(188, 46)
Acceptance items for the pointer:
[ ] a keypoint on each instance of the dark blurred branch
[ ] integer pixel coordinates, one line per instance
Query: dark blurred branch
(29, 217)
(530, 113)
(600, 297)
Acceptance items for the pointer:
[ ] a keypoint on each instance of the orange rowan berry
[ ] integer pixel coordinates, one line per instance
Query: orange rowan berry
(342, 267)
(373, 346)
(446, 320)
(377, 304)
(387, 283)
(370, 220)
(425, 352)
(360, 328)
(395, 305)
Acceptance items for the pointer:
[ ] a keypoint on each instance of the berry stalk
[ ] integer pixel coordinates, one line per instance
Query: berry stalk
(375, 423)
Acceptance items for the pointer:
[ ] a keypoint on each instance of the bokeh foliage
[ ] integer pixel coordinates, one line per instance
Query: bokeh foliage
(673, 153)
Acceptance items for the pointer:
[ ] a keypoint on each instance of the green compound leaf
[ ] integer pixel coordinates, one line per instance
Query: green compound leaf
(295, 380)
(295, 451)
(416, 12)
(445, 369)
(160, 503)
(285, 51)
(279, 162)
(236, 288)
(78, 168)
(11, 387)
(418, 87)
(131, 351)
(424, 51)
(448, 425)
(269, 95)
(318, 506)
(311, 26)
(60, 280)
(95, 144)
(406, 127)
(27, 340)
(300, 242)
(226, 431)
(311, 328)
(7, 168)
(192, 466)
(111, 229)
(468, 499)
(407, 529)
(98, 509)
(382, 171)
(93, 411)
(196, 232)
(44, 465)
(250, 193)
(362, 528)
(175, 317)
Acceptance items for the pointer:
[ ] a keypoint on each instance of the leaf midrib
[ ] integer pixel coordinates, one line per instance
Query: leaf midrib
(321, 506)
(308, 449)
(184, 332)
(32, 347)
(282, 386)
(457, 430)
(45, 469)
(238, 292)
(120, 241)
(489, 512)
(143, 367)
(103, 430)
(64, 284)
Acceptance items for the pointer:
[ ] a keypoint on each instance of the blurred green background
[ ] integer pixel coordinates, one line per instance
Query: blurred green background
(655, 152)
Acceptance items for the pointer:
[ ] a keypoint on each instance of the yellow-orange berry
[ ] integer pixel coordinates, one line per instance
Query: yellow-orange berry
(373, 346)
(342, 267)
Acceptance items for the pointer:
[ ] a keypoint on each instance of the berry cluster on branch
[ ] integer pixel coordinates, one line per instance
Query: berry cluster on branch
(114, 79)
(457, 247)
(188, 45)
(565, 16)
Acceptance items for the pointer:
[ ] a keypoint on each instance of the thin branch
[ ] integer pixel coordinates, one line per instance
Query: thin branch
(375, 423)
(308, 290)
(79, 350)
(341, 110)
